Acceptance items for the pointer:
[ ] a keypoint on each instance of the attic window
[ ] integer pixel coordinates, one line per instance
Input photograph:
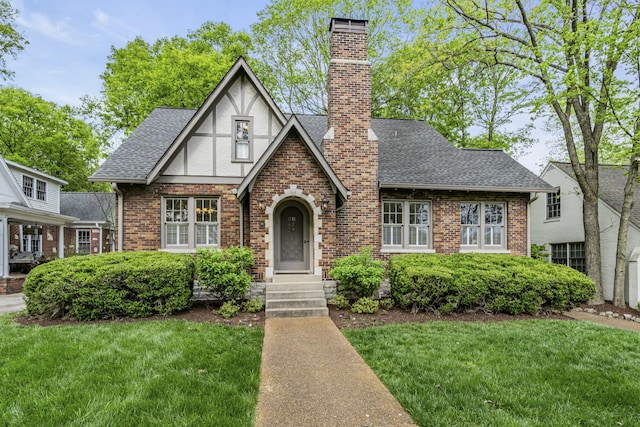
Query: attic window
(243, 135)
(27, 186)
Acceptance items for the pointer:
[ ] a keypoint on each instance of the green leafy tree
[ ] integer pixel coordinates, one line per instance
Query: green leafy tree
(47, 137)
(573, 51)
(292, 43)
(11, 41)
(172, 72)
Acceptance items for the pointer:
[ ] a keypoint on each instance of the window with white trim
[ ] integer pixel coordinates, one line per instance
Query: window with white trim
(83, 242)
(191, 222)
(406, 224)
(243, 136)
(27, 185)
(553, 205)
(41, 190)
(482, 225)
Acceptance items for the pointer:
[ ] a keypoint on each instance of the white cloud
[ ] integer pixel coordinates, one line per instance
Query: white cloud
(112, 27)
(55, 29)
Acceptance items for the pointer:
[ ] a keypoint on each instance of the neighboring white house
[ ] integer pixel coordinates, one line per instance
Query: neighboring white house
(557, 223)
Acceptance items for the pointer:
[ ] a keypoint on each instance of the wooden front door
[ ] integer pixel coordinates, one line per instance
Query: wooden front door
(292, 251)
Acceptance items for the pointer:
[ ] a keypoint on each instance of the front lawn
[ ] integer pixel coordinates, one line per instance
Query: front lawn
(167, 372)
(516, 373)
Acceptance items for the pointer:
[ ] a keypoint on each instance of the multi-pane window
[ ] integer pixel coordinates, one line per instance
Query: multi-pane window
(553, 205)
(482, 225)
(242, 149)
(27, 186)
(206, 222)
(41, 190)
(83, 242)
(177, 222)
(191, 222)
(571, 254)
(406, 224)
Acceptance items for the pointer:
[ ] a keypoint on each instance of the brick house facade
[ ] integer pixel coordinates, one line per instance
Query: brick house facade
(302, 190)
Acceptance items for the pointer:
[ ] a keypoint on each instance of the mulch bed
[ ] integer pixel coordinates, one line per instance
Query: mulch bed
(202, 311)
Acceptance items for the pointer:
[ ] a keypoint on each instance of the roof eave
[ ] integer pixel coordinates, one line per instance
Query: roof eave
(118, 180)
(411, 186)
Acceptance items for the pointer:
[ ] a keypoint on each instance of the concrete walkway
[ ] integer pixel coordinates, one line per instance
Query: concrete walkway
(604, 320)
(312, 376)
(12, 303)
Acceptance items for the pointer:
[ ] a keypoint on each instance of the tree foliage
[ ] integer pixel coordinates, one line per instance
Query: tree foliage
(291, 41)
(11, 41)
(573, 51)
(47, 137)
(173, 72)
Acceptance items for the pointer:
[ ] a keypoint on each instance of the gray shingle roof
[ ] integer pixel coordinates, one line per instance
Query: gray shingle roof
(612, 180)
(411, 153)
(139, 153)
(88, 207)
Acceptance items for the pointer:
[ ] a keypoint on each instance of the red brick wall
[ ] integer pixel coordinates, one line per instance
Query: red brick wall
(350, 153)
(445, 212)
(292, 164)
(142, 222)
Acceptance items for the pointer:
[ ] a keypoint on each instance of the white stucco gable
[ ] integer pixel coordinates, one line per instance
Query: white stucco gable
(10, 192)
(206, 147)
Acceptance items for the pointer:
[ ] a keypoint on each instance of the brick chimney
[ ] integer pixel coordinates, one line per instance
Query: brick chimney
(350, 146)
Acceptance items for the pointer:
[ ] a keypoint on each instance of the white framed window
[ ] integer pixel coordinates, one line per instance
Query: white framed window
(206, 222)
(571, 254)
(31, 238)
(553, 205)
(83, 242)
(242, 128)
(482, 225)
(406, 224)
(41, 190)
(27, 186)
(191, 222)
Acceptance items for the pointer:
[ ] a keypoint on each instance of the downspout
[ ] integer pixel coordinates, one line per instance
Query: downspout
(531, 200)
(241, 226)
(115, 188)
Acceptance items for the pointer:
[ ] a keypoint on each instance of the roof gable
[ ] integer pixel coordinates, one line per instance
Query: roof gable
(240, 67)
(10, 191)
(293, 125)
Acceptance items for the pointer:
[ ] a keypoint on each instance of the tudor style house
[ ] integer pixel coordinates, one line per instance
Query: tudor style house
(302, 190)
(556, 222)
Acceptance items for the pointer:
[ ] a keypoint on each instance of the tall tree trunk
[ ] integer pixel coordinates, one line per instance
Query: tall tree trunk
(623, 232)
(592, 244)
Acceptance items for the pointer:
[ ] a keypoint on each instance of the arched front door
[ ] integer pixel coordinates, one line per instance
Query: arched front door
(292, 238)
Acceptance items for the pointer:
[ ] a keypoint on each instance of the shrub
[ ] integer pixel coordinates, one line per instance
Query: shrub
(118, 284)
(365, 305)
(253, 305)
(340, 301)
(359, 274)
(224, 271)
(386, 303)
(499, 283)
(228, 310)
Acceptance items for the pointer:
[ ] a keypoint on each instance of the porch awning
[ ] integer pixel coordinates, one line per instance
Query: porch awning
(25, 214)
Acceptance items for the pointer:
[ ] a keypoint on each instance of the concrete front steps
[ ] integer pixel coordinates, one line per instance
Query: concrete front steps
(295, 295)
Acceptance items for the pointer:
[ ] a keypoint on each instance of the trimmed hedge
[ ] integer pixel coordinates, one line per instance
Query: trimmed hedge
(113, 285)
(359, 274)
(494, 282)
(224, 271)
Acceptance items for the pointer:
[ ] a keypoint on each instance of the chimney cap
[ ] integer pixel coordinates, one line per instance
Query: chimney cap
(348, 25)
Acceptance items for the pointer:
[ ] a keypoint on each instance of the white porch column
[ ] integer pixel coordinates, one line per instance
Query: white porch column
(61, 244)
(4, 247)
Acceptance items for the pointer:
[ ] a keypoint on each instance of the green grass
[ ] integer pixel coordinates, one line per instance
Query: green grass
(520, 373)
(128, 374)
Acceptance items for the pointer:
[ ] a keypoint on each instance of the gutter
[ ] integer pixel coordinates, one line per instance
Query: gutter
(465, 188)
(114, 185)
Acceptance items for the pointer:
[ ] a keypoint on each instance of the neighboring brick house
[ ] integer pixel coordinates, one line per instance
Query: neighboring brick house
(40, 222)
(302, 190)
(556, 222)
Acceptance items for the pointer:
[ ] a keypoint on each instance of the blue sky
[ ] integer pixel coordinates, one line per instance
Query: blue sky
(69, 41)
